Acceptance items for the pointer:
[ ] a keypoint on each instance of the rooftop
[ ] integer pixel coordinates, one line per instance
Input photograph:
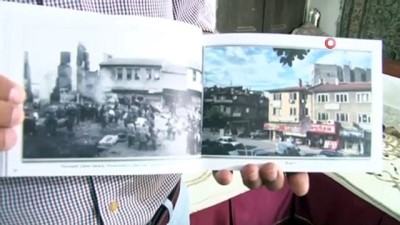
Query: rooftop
(289, 89)
(146, 62)
(351, 86)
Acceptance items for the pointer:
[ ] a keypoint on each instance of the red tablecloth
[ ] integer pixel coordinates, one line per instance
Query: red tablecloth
(327, 203)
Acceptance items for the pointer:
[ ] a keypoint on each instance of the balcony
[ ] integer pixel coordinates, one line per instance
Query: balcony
(332, 106)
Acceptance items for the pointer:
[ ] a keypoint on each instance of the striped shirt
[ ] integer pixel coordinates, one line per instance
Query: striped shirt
(111, 200)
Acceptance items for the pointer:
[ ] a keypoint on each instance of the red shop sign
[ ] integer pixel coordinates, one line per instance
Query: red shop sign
(322, 128)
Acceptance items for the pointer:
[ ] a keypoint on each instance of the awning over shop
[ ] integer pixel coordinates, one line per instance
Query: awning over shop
(351, 131)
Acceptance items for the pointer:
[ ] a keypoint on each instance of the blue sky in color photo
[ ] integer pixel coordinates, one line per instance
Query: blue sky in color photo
(258, 67)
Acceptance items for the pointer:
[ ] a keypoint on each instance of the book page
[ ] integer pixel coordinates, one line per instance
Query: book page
(306, 103)
(107, 95)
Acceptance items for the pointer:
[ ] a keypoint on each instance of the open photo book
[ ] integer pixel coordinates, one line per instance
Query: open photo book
(119, 95)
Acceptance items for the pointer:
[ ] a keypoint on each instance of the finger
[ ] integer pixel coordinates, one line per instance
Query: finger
(223, 177)
(9, 91)
(8, 138)
(251, 176)
(10, 115)
(272, 176)
(299, 183)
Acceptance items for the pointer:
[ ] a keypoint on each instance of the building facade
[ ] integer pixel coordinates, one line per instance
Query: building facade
(347, 104)
(325, 73)
(239, 109)
(133, 78)
(288, 112)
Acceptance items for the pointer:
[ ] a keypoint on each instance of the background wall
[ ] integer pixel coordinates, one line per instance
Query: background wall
(329, 14)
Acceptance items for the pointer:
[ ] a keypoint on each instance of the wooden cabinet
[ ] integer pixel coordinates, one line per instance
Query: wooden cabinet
(262, 16)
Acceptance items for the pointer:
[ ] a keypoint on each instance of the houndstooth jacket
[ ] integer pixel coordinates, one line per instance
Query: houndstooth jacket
(111, 200)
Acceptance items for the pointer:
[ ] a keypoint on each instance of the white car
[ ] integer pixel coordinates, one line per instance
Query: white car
(229, 140)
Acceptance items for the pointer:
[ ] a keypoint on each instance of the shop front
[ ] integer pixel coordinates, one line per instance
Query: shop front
(324, 136)
(283, 132)
(275, 130)
(355, 140)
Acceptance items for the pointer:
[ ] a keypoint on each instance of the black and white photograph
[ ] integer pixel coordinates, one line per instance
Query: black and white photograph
(287, 102)
(128, 96)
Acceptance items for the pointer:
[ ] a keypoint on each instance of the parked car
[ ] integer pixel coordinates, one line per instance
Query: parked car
(287, 149)
(259, 134)
(330, 153)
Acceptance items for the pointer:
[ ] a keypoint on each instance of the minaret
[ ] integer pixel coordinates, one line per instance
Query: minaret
(27, 78)
(82, 66)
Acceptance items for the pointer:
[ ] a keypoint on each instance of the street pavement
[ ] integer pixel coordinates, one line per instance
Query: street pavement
(175, 147)
(268, 145)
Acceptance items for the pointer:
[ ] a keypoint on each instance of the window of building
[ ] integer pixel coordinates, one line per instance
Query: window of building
(342, 98)
(276, 111)
(304, 111)
(342, 117)
(149, 73)
(293, 111)
(128, 73)
(277, 96)
(323, 116)
(363, 97)
(247, 110)
(322, 98)
(364, 118)
(156, 75)
(120, 74)
(137, 77)
(293, 96)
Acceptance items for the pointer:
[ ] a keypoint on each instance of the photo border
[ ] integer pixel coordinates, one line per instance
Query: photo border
(311, 164)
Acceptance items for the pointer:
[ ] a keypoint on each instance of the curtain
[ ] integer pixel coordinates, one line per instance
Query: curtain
(372, 19)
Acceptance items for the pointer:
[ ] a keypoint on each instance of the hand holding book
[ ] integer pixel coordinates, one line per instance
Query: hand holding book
(269, 175)
(10, 114)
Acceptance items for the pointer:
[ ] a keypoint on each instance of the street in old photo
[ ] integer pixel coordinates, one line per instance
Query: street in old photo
(263, 101)
(125, 107)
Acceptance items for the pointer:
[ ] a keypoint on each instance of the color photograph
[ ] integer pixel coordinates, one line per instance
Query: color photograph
(286, 102)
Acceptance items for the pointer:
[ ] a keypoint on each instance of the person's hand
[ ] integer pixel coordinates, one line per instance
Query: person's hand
(11, 114)
(268, 175)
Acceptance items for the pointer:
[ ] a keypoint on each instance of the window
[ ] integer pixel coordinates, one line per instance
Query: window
(137, 74)
(323, 116)
(342, 117)
(305, 112)
(276, 111)
(363, 97)
(129, 74)
(293, 111)
(277, 96)
(293, 96)
(156, 75)
(119, 74)
(247, 110)
(322, 98)
(341, 98)
(364, 118)
(149, 72)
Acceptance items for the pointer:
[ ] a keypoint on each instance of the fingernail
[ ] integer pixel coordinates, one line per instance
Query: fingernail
(10, 139)
(14, 95)
(271, 175)
(16, 116)
(253, 176)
